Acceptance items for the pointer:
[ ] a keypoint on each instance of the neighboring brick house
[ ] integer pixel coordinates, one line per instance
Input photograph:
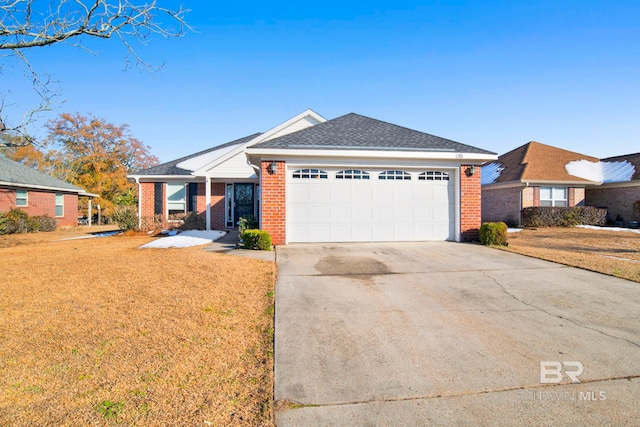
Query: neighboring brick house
(37, 194)
(619, 196)
(309, 179)
(536, 174)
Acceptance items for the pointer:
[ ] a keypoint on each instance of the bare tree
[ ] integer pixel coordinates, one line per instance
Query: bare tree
(25, 24)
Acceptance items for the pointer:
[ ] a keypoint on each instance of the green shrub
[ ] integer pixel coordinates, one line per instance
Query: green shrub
(256, 239)
(562, 216)
(3, 223)
(493, 233)
(126, 216)
(46, 223)
(249, 222)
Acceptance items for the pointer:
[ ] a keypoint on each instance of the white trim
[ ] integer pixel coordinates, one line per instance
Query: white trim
(207, 198)
(634, 183)
(155, 178)
(40, 187)
(457, 212)
(260, 138)
(281, 154)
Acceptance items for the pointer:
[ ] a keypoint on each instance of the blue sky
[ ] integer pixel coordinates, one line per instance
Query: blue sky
(493, 74)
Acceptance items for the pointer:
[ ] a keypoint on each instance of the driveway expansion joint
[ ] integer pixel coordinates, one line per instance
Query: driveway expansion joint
(285, 405)
(557, 315)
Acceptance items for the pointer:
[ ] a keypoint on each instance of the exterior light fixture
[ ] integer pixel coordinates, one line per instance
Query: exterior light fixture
(471, 170)
(272, 168)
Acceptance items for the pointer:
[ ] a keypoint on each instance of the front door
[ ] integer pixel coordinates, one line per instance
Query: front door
(243, 201)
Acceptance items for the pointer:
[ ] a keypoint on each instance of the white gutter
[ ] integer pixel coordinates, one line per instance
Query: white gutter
(278, 153)
(43, 187)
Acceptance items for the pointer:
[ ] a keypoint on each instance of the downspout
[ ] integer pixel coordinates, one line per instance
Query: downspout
(526, 184)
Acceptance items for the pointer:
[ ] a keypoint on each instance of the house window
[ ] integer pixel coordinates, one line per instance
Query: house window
(433, 176)
(176, 198)
(394, 175)
(553, 196)
(310, 173)
(229, 208)
(352, 174)
(59, 204)
(21, 197)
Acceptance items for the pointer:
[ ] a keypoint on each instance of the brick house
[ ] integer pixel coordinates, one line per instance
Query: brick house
(309, 179)
(536, 174)
(37, 193)
(618, 196)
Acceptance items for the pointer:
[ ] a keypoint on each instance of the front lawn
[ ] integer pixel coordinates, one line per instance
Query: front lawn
(616, 253)
(99, 332)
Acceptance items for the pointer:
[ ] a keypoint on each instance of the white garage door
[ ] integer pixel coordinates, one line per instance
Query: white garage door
(352, 205)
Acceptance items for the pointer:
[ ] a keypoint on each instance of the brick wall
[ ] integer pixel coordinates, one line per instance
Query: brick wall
(618, 201)
(42, 203)
(146, 198)
(501, 204)
(217, 206)
(273, 215)
(470, 204)
(201, 202)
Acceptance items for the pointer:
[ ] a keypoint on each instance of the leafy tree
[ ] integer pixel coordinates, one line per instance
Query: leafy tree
(91, 153)
(27, 24)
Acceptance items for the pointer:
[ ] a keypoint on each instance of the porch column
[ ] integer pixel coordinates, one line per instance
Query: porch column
(207, 198)
(89, 212)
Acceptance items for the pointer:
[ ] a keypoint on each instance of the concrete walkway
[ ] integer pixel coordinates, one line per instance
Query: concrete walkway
(450, 334)
(228, 244)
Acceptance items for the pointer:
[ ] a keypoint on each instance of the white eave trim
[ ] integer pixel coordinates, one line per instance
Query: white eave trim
(41, 187)
(154, 178)
(282, 153)
(537, 183)
(262, 137)
(632, 183)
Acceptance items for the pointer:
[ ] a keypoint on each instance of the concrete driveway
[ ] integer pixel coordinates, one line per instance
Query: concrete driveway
(444, 333)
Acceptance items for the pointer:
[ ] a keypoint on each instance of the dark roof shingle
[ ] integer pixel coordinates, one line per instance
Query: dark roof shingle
(355, 132)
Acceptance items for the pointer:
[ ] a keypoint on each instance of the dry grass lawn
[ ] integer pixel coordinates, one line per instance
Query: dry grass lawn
(98, 332)
(608, 252)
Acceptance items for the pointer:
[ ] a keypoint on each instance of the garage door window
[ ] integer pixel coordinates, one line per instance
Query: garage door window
(433, 176)
(352, 174)
(394, 175)
(309, 174)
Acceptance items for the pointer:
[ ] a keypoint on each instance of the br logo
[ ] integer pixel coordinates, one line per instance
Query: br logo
(552, 372)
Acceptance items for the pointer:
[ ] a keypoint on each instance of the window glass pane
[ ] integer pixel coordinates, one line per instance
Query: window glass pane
(310, 173)
(562, 203)
(176, 198)
(59, 204)
(560, 193)
(545, 194)
(21, 197)
(545, 203)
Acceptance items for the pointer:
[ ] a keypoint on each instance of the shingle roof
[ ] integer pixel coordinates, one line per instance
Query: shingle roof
(355, 132)
(170, 168)
(634, 159)
(538, 162)
(18, 174)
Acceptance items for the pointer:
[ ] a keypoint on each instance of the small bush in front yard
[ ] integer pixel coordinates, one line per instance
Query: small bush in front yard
(18, 221)
(126, 217)
(256, 239)
(547, 216)
(46, 223)
(493, 233)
